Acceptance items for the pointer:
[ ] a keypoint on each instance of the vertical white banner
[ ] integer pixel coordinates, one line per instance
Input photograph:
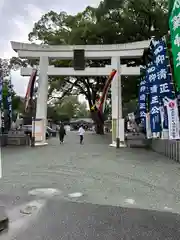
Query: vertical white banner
(165, 132)
(0, 119)
(0, 148)
(121, 130)
(173, 119)
(161, 109)
(0, 163)
(148, 127)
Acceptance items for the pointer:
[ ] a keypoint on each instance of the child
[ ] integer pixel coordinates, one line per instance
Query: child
(81, 132)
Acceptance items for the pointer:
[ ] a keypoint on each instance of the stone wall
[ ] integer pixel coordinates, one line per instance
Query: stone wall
(169, 148)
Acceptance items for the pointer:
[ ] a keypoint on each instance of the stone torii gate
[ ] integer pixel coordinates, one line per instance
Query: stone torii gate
(113, 52)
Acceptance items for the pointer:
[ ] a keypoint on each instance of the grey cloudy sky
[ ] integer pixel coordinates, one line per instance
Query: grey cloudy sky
(17, 19)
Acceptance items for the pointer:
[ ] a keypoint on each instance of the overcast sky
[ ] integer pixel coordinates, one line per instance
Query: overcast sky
(17, 19)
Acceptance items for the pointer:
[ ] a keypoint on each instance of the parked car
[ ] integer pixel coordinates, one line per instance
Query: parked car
(28, 130)
(51, 132)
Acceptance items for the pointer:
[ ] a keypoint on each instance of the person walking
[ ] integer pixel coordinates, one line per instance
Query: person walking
(62, 133)
(81, 132)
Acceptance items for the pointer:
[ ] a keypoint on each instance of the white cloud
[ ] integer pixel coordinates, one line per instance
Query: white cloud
(17, 19)
(19, 83)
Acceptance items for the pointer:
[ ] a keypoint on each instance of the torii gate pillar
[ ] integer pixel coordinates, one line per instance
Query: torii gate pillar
(41, 109)
(116, 98)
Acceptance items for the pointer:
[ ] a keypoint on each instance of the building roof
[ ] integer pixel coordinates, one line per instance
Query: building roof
(76, 120)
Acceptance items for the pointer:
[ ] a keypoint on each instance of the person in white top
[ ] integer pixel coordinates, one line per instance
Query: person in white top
(81, 132)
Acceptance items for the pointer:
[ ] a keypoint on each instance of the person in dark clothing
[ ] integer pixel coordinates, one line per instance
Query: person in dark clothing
(126, 124)
(62, 133)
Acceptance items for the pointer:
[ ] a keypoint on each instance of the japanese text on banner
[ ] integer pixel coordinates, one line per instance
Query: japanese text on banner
(9, 98)
(174, 24)
(154, 98)
(164, 77)
(142, 99)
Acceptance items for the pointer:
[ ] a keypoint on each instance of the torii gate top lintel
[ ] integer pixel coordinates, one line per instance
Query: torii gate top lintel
(31, 50)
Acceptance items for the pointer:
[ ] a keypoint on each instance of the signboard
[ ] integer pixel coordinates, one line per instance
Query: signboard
(37, 129)
(173, 119)
(79, 59)
(148, 126)
(131, 116)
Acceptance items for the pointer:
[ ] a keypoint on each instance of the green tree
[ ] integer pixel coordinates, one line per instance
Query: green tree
(113, 21)
(16, 100)
(5, 68)
(64, 109)
(81, 110)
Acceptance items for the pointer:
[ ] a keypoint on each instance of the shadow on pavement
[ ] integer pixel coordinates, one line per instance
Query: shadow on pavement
(59, 219)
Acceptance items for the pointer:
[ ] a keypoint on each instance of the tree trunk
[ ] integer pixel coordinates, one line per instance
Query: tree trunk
(99, 123)
(97, 118)
(100, 129)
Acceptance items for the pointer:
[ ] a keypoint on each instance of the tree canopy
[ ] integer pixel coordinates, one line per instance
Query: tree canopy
(5, 68)
(16, 100)
(112, 22)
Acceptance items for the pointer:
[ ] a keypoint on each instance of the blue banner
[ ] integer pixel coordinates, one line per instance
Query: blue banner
(1, 89)
(142, 99)
(1, 101)
(166, 88)
(9, 98)
(153, 86)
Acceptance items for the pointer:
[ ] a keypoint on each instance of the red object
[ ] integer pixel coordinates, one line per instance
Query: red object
(98, 111)
(30, 88)
(171, 104)
(101, 100)
(106, 87)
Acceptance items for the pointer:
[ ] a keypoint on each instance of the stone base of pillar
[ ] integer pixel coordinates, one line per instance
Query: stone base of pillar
(121, 145)
(38, 144)
(113, 144)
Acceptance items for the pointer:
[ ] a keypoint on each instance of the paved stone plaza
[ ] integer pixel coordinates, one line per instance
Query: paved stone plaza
(116, 179)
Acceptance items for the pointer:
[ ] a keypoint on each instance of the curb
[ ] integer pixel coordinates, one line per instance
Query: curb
(4, 220)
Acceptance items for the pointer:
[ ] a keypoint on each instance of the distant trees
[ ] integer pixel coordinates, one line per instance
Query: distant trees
(67, 108)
